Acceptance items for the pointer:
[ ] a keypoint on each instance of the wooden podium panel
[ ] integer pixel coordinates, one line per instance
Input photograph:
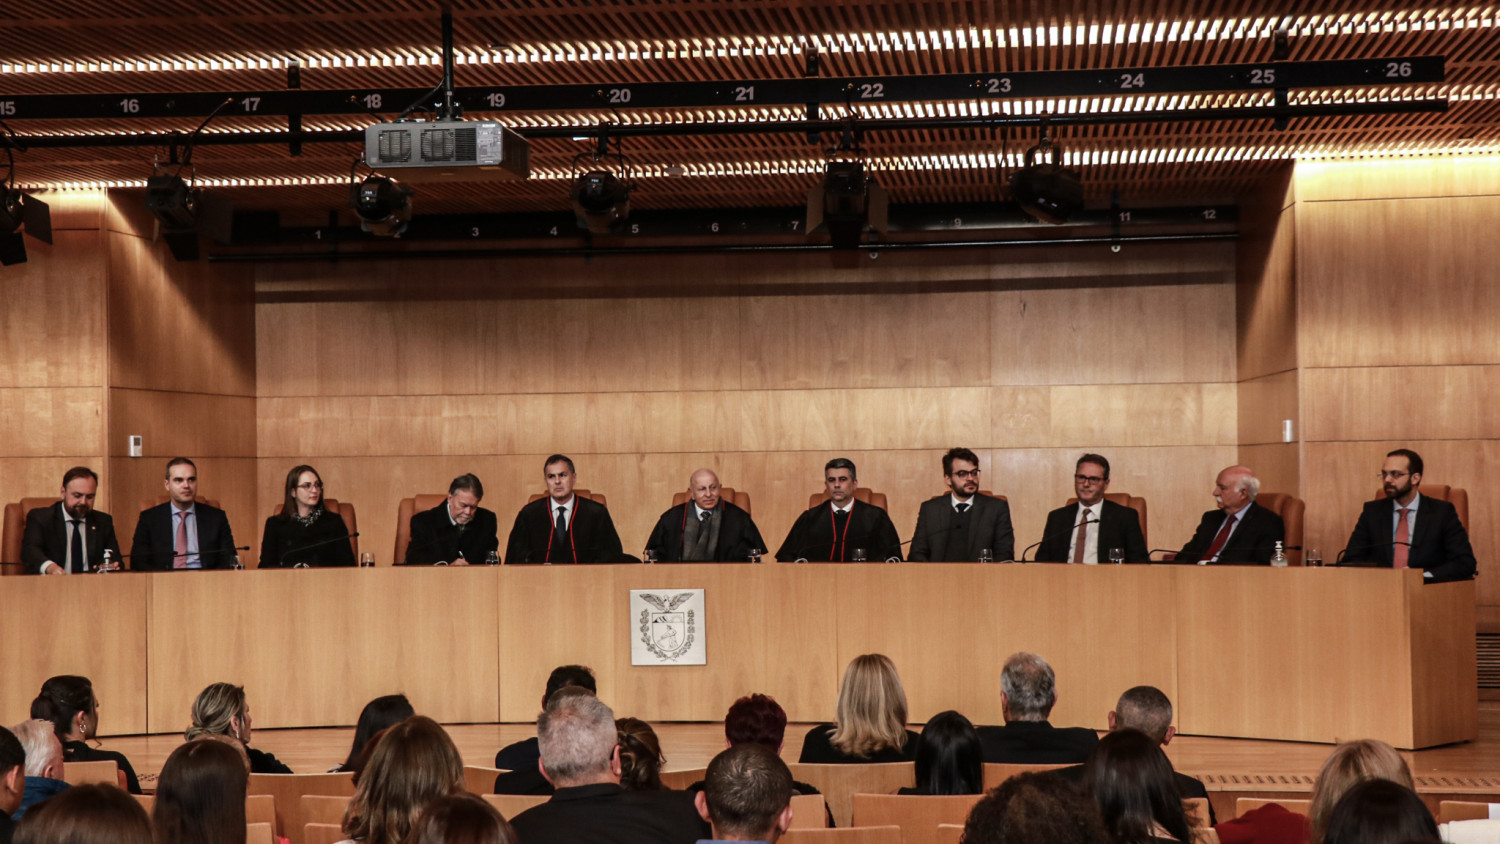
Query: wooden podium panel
(93, 625)
(312, 646)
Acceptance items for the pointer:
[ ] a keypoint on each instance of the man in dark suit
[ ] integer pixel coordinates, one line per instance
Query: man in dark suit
(1084, 532)
(832, 531)
(458, 531)
(183, 533)
(1028, 691)
(1148, 709)
(1409, 530)
(957, 527)
(70, 537)
(523, 755)
(1240, 531)
(705, 528)
(563, 527)
(581, 758)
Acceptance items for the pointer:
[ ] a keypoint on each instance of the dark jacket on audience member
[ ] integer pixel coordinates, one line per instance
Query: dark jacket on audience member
(1037, 743)
(1190, 787)
(262, 762)
(37, 790)
(608, 814)
(78, 751)
(524, 781)
(818, 749)
(7, 828)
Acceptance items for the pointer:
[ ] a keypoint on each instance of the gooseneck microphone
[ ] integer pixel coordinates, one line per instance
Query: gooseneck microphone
(1090, 520)
(281, 559)
(1339, 560)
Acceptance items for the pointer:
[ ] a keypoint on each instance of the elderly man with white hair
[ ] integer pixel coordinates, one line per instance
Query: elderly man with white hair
(1239, 530)
(44, 763)
(705, 528)
(1028, 691)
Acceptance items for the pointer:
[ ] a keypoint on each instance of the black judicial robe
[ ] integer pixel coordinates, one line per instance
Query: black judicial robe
(812, 536)
(737, 534)
(591, 535)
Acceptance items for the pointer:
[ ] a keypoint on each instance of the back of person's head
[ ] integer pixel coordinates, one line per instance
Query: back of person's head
(220, 709)
(747, 791)
(1035, 808)
(640, 755)
(1378, 811)
(569, 675)
(413, 763)
(577, 739)
(43, 749)
(949, 757)
(62, 700)
(378, 714)
(12, 770)
(86, 814)
(1350, 764)
(1029, 686)
(461, 818)
(1135, 788)
(871, 709)
(1145, 708)
(756, 719)
(200, 797)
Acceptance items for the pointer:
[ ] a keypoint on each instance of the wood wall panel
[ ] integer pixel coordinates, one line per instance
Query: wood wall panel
(1266, 279)
(37, 477)
(1264, 403)
(1406, 402)
(1278, 466)
(172, 424)
(1455, 176)
(52, 326)
(1143, 414)
(844, 420)
(51, 422)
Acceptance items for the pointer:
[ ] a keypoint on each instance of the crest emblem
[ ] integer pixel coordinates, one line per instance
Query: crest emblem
(665, 631)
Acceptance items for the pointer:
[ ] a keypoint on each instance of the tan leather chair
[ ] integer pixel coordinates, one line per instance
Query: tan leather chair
(1457, 496)
(860, 494)
(288, 790)
(510, 805)
(15, 530)
(345, 511)
(839, 783)
(1125, 499)
(408, 508)
(481, 780)
(728, 493)
(1291, 511)
(918, 816)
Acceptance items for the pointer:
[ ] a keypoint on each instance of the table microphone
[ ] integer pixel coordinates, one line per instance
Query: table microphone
(1339, 560)
(281, 560)
(1089, 520)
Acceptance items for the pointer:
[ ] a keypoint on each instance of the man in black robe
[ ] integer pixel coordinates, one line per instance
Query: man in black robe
(832, 531)
(562, 527)
(705, 528)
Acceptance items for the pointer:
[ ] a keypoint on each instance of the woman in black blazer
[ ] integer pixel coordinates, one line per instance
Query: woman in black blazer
(871, 714)
(304, 531)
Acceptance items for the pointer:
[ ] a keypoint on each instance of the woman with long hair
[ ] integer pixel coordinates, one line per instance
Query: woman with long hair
(86, 814)
(200, 797)
(305, 532)
(461, 819)
(1379, 811)
(378, 714)
(413, 764)
(871, 713)
(1136, 790)
(69, 703)
(949, 757)
(222, 709)
(640, 756)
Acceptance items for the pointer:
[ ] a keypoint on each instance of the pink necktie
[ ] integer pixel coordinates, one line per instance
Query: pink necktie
(181, 544)
(1403, 535)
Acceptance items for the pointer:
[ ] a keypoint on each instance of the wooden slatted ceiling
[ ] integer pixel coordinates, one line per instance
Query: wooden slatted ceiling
(520, 42)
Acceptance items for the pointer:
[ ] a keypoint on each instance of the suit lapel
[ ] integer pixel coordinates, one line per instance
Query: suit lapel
(1425, 514)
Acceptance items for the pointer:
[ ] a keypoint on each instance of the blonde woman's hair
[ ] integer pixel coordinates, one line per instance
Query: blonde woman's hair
(413, 764)
(1350, 764)
(216, 710)
(871, 710)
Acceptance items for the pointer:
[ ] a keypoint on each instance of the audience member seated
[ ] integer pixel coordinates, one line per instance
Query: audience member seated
(581, 758)
(305, 532)
(378, 714)
(200, 796)
(88, 814)
(12, 781)
(222, 709)
(640, 755)
(1028, 691)
(68, 702)
(461, 818)
(1136, 790)
(1379, 811)
(523, 755)
(871, 712)
(1035, 808)
(949, 757)
(44, 764)
(747, 795)
(412, 764)
(531, 780)
(759, 719)
(1148, 709)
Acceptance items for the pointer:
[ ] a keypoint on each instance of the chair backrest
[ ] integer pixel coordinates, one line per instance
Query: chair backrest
(147, 801)
(260, 808)
(1125, 499)
(1196, 809)
(404, 511)
(103, 772)
(288, 790)
(148, 503)
(1463, 810)
(728, 493)
(809, 811)
(259, 833)
(918, 816)
(323, 833)
(1245, 804)
(1457, 496)
(949, 833)
(324, 808)
(844, 835)
(839, 783)
(680, 780)
(510, 805)
(480, 780)
(860, 494)
(345, 511)
(1291, 511)
(1205, 835)
(597, 497)
(998, 772)
(14, 529)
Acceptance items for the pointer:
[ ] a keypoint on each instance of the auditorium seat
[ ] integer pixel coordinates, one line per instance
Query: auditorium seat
(949, 833)
(809, 811)
(1196, 809)
(849, 835)
(680, 780)
(1245, 804)
(1457, 496)
(260, 808)
(728, 493)
(104, 771)
(288, 790)
(15, 530)
(1125, 499)
(1291, 511)
(1463, 810)
(839, 783)
(324, 808)
(917, 816)
(480, 780)
(259, 833)
(510, 805)
(345, 511)
(408, 508)
(861, 494)
(323, 833)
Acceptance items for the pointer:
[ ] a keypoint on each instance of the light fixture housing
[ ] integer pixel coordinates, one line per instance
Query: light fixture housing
(20, 211)
(382, 204)
(846, 203)
(601, 201)
(1047, 191)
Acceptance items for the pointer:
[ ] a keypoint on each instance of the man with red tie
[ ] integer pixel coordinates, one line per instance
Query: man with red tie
(1409, 530)
(183, 533)
(1239, 531)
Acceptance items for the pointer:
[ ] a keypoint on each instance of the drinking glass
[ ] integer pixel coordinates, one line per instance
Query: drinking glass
(1313, 557)
(987, 555)
(859, 556)
(1117, 555)
(367, 560)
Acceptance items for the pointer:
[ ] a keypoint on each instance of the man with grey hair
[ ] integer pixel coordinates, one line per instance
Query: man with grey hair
(1028, 691)
(705, 528)
(747, 794)
(581, 758)
(1239, 530)
(44, 763)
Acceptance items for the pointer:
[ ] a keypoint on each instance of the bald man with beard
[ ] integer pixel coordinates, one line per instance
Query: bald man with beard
(705, 528)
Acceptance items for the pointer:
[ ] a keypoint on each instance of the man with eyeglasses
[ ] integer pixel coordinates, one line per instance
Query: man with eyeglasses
(959, 526)
(1409, 530)
(1084, 532)
(1239, 531)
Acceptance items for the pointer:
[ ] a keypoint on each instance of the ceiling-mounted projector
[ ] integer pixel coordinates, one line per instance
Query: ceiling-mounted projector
(447, 151)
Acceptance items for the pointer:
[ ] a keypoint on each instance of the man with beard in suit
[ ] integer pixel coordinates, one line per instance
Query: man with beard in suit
(957, 527)
(70, 537)
(1409, 530)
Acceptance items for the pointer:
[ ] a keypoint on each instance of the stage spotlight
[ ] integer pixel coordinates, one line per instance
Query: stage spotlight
(846, 203)
(183, 212)
(20, 211)
(601, 201)
(383, 206)
(1047, 191)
